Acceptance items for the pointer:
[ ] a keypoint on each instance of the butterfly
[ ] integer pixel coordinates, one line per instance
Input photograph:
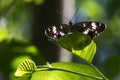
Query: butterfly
(89, 28)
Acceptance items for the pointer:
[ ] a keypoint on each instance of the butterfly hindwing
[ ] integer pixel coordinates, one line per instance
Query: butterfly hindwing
(90, 28)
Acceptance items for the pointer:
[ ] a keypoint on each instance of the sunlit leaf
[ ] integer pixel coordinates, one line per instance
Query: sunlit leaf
(26, 67)
(26, 49)
(87, 53)
(16, 61)
(79, 44)
(68, 71)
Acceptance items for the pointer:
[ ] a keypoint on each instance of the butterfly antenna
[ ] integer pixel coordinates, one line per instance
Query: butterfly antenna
(74, 14)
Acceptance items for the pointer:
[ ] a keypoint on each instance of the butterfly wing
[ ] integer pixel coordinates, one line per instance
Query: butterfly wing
(90, 28)
(55, 32)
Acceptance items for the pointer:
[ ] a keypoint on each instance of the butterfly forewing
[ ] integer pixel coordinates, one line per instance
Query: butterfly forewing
(55, 32)
(90, 28)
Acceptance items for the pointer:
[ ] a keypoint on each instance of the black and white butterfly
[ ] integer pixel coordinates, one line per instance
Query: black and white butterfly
(89, 28)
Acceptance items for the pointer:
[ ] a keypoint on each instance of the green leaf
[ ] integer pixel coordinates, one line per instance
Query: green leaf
(26, 67)
(79, 44)
(75, 40)
(16, 61)
(87, 53)
(24, 77)
(68, 71)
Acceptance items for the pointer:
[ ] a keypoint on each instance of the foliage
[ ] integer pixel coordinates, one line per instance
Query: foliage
(82, 46)
(109, 42)
(14, 44)
(15, 21)
(59, 70)
(79, 44)
(13, 52)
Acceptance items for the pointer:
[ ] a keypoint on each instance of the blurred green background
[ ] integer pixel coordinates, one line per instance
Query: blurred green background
(22, 25)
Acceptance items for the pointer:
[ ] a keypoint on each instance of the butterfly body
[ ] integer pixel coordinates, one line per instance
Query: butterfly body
(89, 28)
